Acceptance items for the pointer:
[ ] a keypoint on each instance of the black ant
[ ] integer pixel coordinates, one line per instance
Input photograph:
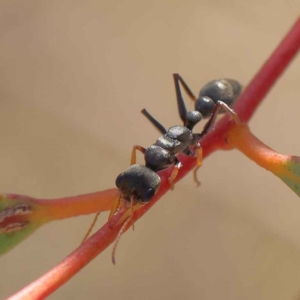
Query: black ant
(139, 183)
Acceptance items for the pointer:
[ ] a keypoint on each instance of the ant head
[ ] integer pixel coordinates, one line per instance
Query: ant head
(138, 181)
(225, 90)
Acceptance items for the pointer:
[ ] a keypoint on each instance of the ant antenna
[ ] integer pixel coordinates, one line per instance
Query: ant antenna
(155, 123)
(91, 227)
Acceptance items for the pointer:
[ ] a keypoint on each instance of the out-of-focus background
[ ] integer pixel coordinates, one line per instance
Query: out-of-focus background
(74, 76)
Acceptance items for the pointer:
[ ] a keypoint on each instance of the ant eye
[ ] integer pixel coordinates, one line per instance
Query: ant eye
(119, 180)
(205, 106)
(148, 195)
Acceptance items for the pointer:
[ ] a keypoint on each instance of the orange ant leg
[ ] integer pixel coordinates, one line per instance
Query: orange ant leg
(112, 212)
(125, 215)
(174, 174)
(198, 154)
(211, 122)
(232, 114)
(91, 227)
(115, 206)
(124, 226)
(133, 153)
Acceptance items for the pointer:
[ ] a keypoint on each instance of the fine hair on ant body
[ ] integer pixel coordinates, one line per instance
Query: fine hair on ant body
(139, 183)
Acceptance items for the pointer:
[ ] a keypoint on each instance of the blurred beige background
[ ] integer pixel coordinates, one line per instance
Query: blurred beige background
(74, 76)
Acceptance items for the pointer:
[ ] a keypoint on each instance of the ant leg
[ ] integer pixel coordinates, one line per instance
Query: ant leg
(180, 102)
(129, 220)
(174, 173)
(178, 78)
(198, 154)
(211, 122)
(154, 122)
(91, 227)
(113, 253)
(133, 153)
(115, 206)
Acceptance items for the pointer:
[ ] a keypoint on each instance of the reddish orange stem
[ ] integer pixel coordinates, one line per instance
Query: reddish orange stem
(240, 137)
(58, 209)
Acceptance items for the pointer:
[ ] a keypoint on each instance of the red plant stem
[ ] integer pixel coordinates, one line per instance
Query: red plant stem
(258, 87)
(269, 73)
(247, 104)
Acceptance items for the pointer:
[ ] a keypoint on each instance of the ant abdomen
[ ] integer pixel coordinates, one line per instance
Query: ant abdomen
(224, 90)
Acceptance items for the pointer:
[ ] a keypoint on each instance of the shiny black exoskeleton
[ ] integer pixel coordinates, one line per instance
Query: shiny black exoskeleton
(140, 183)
